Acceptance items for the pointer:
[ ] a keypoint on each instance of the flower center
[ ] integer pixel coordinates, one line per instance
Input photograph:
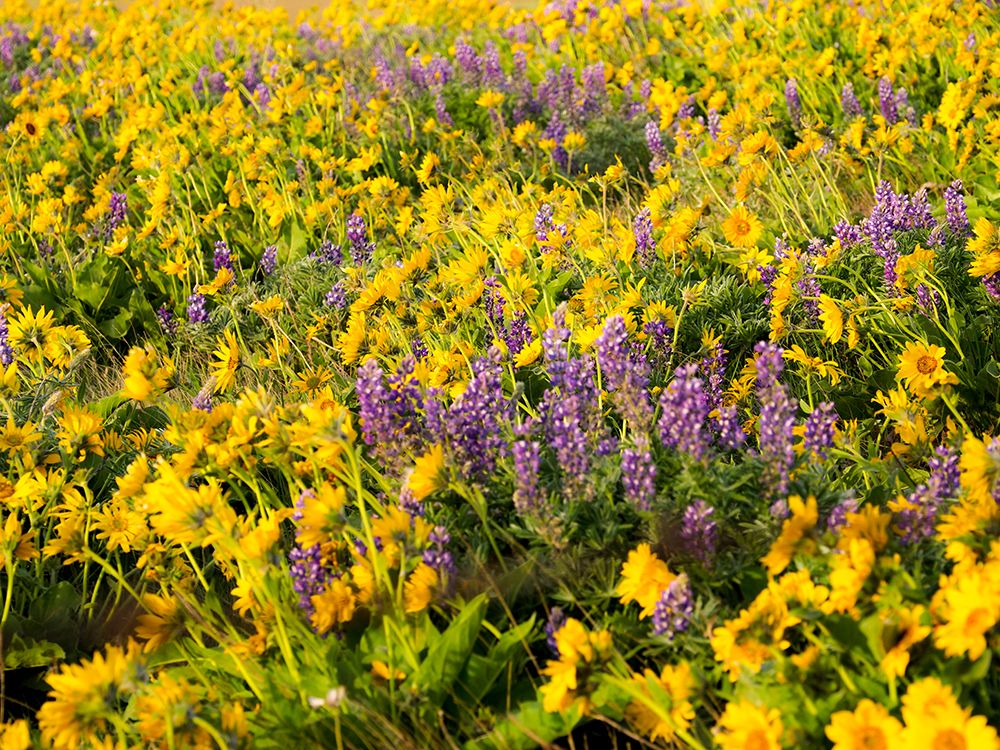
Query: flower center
(757, 740)
(926, 365)
(978, 622)
(949, 739)
(871, 738)
(742, 226)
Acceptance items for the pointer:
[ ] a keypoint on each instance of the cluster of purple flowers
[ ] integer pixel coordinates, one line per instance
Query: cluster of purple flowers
(820, 428)
(117, 211)
(167, 320)
(777, 420)
(269, 260)
(642, 230)
(336, 297)
(793, 102)
(672, 613)
(197, 312)
(527, 465)
(557, 619)
(517, 334)
(837, 517)
(684, 409)
(655, 144)
(473, 423)
(222, 257)
(849, 102)
(918, 519)
(955, 211)
(893, 212)
(203, 399)
(625, 374)
(700, 532)
(309, 575)
(214, 82)
(392, 410)
(328, 254)
(6, 350)
(639, 476)
(569, 409)
(437, 555)
(357, 236)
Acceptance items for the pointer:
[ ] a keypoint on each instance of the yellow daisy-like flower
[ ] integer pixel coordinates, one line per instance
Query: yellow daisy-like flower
(968, 607)
(804, 515)
(649, 715)
(227, 360)
(418, 591)
(333, 606)
(745, 726)
(144, 375)
(935, 721)
(921, 367)
(742, 228)
(832, 319)
(427, 475)
(644, 579)
(867, 727)
(985, 246)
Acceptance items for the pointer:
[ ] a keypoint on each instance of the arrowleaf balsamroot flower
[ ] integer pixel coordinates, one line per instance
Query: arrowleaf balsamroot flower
(742, 228)
(921, 367)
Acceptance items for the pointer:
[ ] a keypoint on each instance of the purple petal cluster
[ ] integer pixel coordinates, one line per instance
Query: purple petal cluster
(642, 230)
(625, 374)
(473, 423)
(527, 465)
(639, 477)
(684, 410)
(917, 521)
(849, 102)
(777, 420)
(673, 612)
(357, 236)
(269, 260)
(6, 350)
(222, 257)
(820, 429)
(887, 101)
(700, 532)
(328, 254)
(391, 410)
(793, 102)
(437, 555)
(573, 424)
(197, 312)
(955, 211)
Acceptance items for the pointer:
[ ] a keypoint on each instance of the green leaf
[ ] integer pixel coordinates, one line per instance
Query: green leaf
(446, 658)
(482, 671)
(530, 727)
(27, 652)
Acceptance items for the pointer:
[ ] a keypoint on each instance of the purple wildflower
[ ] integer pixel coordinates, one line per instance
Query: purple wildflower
(777, 420)
(527, 463)
(684, 409)
(167, 320)
(336, 297)
(196, 310)
(642, 230)
(357, 235)
(887, 101)
(269, 260)
(793, 102)
(639, 477)
(473, 426)
(437, 556)
(849, 102)
(820, 429)
(6, 350)
(954, 204)
(222, 257)
(556, 620)
(700, 531)
(673, 612)
(917, 520)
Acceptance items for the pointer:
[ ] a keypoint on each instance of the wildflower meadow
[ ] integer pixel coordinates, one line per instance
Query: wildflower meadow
(463, 375)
